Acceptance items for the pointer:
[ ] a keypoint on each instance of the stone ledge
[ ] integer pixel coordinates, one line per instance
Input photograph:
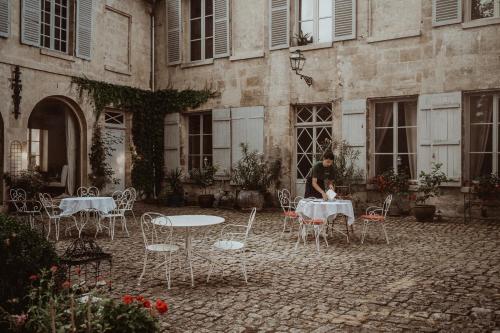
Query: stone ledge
(406, 34)
(56, 54)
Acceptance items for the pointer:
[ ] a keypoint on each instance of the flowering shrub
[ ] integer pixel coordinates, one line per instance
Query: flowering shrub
(430, 183)
(391, 182)
(488, 186)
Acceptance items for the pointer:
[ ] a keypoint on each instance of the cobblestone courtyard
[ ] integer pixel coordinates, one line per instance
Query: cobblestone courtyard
(432, 277)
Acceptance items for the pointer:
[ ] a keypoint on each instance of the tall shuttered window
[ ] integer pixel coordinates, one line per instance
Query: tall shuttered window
(315, 21)
(54, 24)
(201, 29)
(200, 140)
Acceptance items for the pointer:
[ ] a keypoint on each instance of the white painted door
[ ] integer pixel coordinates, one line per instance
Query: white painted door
(313, 126)
(114, 135)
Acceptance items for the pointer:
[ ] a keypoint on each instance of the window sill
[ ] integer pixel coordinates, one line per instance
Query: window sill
(58, 55)
(117, 71)
(248, 55)
(481, 22)
(310, 47)
(197, 63)
(407, 34)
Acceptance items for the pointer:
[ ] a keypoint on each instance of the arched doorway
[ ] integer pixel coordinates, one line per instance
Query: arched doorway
(56, 142)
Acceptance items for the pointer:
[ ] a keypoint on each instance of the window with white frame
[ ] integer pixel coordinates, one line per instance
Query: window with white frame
(201, 31)
(395, 135)
(484, 140)
(480, 9)
(314, 21)
(54, 25)
(199, 141)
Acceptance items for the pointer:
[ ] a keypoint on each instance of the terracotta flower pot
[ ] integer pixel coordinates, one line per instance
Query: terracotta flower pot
(424, 213)
(248, 199)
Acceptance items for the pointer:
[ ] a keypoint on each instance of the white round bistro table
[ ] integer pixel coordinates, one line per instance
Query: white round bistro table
(187, 222)
(320, 209)
(70, 206)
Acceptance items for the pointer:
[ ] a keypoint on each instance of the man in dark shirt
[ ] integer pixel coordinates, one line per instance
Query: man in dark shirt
(321, 177)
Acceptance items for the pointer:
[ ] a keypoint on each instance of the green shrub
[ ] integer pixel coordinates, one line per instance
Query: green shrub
(24, 252)
(30, 181)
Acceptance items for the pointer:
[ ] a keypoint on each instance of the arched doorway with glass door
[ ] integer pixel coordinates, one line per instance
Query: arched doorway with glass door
(56, 143)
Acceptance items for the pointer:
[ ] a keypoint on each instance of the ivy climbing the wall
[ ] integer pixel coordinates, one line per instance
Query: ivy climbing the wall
(148, 111)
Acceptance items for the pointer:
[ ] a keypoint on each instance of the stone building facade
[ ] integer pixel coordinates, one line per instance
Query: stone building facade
(406, 82)
(51, 41)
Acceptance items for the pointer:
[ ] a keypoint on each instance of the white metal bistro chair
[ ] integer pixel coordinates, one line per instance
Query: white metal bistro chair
(233, 243)
(376, 215)
(288, 207)
(157, 240)
(56, 215)
(131, 194)
(24, 209)
(318, 227)
(90, 191)
(112, 216)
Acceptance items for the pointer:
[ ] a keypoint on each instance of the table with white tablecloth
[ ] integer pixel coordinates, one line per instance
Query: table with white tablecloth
(320, 209)
(70, 206)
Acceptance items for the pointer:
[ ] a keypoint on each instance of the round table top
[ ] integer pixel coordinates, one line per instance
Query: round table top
(86, 199)
(190, 220)
(323, 202)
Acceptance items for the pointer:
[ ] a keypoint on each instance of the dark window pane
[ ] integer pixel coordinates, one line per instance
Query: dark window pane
(58, 10)
(209, 48)
(46, 42)
(194, 144)
(481, 109)
(407, 114)
(383, 163)
(57, 33)
(196, 50)
(383, 140)
(64, 12)
(481, 138)
(480, 165)
(196, 29)
(194, 124)
(193, 162)
(207, 144)
(383, 114)
(63, 46)
(407, 140)
(209, 7)
(482, 9)
(209, 28)
(57, 45)
(63, 23)
(195, 8)
(408, 165)
(207, 123)
(46, 18)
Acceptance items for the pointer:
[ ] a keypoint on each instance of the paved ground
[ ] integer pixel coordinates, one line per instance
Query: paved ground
(432, 277)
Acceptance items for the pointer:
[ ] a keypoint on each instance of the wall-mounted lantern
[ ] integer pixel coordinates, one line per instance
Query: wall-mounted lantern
(297, 61)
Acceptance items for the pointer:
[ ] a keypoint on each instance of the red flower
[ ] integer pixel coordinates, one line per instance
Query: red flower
(127, 299)
(78, 270)
(33, 277)
(161, 306)
(53, 269)
(66, 284)
(140, 298)
(146, 303)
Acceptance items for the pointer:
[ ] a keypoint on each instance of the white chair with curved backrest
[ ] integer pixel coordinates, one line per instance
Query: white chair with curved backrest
(90, 191)
(306, 224)
(55, 214)
(25, 208)
(233, 242)
(132, 194)
(287, 205)
(157, 238)
(118, 213)
(376, 215)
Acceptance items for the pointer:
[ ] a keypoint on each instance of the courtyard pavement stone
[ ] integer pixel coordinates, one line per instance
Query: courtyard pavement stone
(432, 277)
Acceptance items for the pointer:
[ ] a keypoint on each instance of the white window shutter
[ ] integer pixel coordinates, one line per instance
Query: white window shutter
(344, 19)
(221, 140)
(84, 29)
(30, 22)
(172, 141)
(173, 32)
(354, 128)
(279, 23)
(446, 12)
(4, 18)
(247, 126)
(221, 28)
(439, 133)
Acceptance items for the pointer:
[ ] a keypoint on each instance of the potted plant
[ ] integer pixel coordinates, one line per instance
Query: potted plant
(303, 38)
(487, 188)
(254, 176)
(174, 190)
(397, 184)
(429, 184)
(204, 178)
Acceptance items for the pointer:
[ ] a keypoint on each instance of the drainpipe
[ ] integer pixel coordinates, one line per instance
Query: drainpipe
(152, 45)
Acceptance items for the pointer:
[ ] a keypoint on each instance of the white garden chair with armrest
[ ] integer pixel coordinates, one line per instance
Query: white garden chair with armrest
(318, 226)
(376, 215)
(233, 241)
(157, 240)
(25, 208)
(55, 214)
(288, 207)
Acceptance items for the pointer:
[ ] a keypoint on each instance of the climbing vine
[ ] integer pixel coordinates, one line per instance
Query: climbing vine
(148, 111)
